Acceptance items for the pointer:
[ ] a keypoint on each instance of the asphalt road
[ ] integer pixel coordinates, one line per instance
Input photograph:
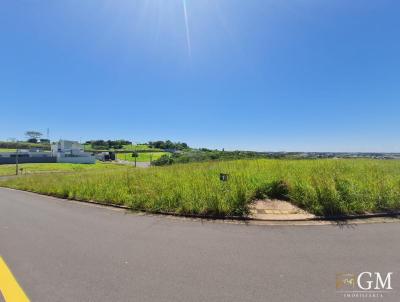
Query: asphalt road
(68, 251)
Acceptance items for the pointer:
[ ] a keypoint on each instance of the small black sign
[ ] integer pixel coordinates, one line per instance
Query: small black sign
(223, 177)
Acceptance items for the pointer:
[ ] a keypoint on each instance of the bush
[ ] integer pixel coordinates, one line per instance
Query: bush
(163, 161)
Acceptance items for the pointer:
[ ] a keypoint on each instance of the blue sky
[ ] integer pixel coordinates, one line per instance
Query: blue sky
(301, 75)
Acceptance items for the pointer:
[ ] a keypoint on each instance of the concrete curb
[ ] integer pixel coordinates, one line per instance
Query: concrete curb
(395, 214)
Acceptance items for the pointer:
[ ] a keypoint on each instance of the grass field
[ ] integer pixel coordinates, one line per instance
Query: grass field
(139, 147)
(7, 150)
(143, 156)
(6, 170)
(323, 187)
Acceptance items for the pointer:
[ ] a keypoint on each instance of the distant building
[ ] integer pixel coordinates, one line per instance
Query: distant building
(61, 152)
(71, 152)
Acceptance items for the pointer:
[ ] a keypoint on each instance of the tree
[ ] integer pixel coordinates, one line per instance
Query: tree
(33, 135)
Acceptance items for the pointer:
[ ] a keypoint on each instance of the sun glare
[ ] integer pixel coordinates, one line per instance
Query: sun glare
(188, 42)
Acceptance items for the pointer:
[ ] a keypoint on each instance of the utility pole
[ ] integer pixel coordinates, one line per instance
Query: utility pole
(16, 162)
(135, 155)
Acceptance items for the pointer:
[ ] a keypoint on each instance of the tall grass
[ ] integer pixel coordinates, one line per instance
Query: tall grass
(323, 187)
(7, 170)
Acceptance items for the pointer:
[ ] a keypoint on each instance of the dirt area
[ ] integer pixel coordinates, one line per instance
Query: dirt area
(277, 210)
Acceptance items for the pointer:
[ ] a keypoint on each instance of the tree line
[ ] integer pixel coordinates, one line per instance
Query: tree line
(168, 145)
(108, 144)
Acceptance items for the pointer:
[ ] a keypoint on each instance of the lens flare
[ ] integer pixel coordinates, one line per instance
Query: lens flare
(189, 46)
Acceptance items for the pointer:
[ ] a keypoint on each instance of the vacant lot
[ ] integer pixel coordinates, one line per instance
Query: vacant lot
(143, 156)
(55, 167)
(323, 187)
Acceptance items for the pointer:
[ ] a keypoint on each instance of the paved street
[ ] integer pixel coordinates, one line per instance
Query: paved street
(69, 251)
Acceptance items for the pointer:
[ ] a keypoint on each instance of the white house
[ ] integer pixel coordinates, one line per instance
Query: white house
(71, 152)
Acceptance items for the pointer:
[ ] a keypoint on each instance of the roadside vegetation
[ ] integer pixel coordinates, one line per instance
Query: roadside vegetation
(323, 187)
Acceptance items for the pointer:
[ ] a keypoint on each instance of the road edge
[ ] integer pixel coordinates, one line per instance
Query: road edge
(327, 219)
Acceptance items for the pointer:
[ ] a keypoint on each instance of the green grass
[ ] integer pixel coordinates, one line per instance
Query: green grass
(139, 147)
(7, 150)
(143, 156)
(6, 170)
(323, 187)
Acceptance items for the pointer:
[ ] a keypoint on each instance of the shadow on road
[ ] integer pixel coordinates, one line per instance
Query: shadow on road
(344, 224)
(352, 223)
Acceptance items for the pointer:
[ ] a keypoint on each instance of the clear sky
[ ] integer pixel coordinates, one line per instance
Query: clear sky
(300, 75)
